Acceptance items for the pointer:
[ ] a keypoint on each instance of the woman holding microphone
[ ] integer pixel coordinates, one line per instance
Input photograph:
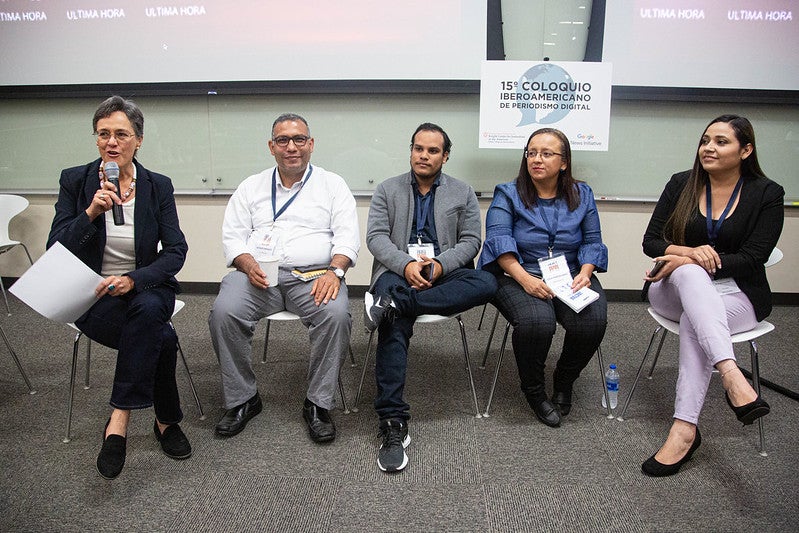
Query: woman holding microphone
(137, 295)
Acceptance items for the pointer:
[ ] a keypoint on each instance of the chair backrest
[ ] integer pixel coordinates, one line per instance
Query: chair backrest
(774, 258)
(10, 206)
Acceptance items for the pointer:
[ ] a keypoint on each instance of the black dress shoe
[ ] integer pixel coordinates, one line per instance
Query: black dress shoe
(234, 420)
(173, 441)
(563, 402)
(320, 426)
(654, 468)
(546, 412)
(751, 411)
(112, 455)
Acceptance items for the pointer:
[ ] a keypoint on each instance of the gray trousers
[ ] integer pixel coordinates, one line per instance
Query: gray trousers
(237, 310)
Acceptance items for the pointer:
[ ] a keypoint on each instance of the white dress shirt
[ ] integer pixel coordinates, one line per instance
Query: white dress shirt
(320, 222)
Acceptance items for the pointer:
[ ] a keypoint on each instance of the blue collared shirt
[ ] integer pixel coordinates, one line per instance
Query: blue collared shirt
(513, 228)
(423, 215)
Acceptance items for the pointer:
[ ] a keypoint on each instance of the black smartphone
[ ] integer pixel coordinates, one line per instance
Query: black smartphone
(656, 268)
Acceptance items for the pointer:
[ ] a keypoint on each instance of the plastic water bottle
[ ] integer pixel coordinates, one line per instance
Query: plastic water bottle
(612, 384)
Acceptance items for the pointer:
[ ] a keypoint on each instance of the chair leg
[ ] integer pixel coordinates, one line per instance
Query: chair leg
(620, 417)
(363, 371)
(657, 354)
(188, 374)
(602, 380)
(352, 357)
(266, 340)
(75, 347)
(496, 371)
(756, 386)
(490, 338)
(88, 363)
(343, 397)
(469, 367)
(31, 390)
(482, 315)
(3, 288)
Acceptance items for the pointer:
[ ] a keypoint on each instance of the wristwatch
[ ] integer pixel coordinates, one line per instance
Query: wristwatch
(337, 271)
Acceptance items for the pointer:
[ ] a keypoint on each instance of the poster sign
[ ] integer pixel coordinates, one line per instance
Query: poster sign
(519, 97)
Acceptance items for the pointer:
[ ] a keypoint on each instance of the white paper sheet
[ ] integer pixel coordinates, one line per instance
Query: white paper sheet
(58, 286)
(556, 274)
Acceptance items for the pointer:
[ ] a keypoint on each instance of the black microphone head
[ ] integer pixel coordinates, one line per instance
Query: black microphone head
(111, 170)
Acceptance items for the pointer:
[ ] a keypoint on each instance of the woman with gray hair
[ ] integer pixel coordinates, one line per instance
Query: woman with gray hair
(113, 214)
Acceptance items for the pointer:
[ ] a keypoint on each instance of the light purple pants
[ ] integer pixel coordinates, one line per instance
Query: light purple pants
(707, 319)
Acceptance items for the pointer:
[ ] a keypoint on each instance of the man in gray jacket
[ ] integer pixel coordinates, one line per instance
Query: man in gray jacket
(424, 232)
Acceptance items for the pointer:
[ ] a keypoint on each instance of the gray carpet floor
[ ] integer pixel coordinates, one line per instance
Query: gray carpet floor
(507, 472)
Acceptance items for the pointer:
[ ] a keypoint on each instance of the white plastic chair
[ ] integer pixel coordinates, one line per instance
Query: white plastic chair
(179, 304)
(427, 319)
(665, 325)
(283, 316)
(10, 206)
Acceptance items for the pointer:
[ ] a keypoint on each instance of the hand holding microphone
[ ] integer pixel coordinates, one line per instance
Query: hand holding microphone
(111, 170)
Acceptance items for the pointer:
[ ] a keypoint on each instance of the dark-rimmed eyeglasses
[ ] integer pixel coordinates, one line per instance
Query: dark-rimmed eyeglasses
(532, 154)
(298, 140)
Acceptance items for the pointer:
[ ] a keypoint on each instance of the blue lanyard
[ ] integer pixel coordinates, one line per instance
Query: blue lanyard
(277, 213)
(550, 230)
(422, 211)
(713, 229)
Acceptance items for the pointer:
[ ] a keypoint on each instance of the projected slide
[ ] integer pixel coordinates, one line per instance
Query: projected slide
(735, 44)
(46, 42)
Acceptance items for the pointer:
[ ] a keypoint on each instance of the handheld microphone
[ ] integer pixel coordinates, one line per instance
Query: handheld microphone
(111, 170)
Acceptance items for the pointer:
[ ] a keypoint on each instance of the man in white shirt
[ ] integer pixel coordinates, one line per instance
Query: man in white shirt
(305, 217)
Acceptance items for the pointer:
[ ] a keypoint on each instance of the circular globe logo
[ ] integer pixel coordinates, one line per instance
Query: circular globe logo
(540, 80)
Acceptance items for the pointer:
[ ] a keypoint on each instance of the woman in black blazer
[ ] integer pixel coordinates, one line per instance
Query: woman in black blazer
(713, 228)
(137, 295)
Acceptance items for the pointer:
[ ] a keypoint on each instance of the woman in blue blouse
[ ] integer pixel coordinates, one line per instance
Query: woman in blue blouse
(546, 212)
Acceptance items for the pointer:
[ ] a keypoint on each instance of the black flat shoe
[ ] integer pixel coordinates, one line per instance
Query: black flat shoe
(320, 426)
(235, 420)
(562, 402)
(651, 467)
(546, 412)
(173, 441)
(112, 455)
(749, 412)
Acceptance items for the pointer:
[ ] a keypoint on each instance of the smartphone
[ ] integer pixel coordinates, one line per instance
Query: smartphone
(656, 268)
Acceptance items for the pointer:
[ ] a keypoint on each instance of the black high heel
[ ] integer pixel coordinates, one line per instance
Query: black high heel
(112, 455)
(652, 467)
(751, 411)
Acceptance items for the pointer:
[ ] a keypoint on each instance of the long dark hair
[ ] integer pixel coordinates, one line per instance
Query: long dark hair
(674, 230)
(567, 188)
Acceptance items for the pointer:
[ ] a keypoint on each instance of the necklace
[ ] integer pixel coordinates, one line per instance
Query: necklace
(131, 188)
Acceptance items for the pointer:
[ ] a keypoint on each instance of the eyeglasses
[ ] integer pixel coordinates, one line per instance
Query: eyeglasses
(532, 154)
(298, 140)
(120, 135)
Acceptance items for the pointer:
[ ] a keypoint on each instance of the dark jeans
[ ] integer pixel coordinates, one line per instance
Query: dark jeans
(534, 321)
(136, 325)
(453, 293)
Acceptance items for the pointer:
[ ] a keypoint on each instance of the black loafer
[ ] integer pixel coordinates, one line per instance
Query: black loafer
(112, 455)
(234, 420)
(563, 402)
(173, 441)
(546, 413)
(320, 426)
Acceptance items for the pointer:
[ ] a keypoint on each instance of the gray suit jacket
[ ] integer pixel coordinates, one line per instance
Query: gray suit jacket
(457, 217)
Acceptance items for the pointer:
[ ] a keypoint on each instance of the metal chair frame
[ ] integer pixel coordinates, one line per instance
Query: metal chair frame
(283, 316)
(31, 390)
(75, 348)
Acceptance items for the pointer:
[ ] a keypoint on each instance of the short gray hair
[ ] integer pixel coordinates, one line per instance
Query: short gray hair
(117, 103)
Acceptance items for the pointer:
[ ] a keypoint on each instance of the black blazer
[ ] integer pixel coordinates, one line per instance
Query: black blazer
(745, 241)
(155, 220)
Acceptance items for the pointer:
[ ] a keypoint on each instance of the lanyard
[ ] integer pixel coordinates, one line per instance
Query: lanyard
(713, 229)
(550, 230)
(422, 212)
(279, 212)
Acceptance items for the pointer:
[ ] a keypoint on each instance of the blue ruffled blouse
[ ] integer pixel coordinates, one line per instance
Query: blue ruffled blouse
(513, 228)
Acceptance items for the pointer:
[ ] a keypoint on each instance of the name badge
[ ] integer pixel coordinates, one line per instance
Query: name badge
(418, 250)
